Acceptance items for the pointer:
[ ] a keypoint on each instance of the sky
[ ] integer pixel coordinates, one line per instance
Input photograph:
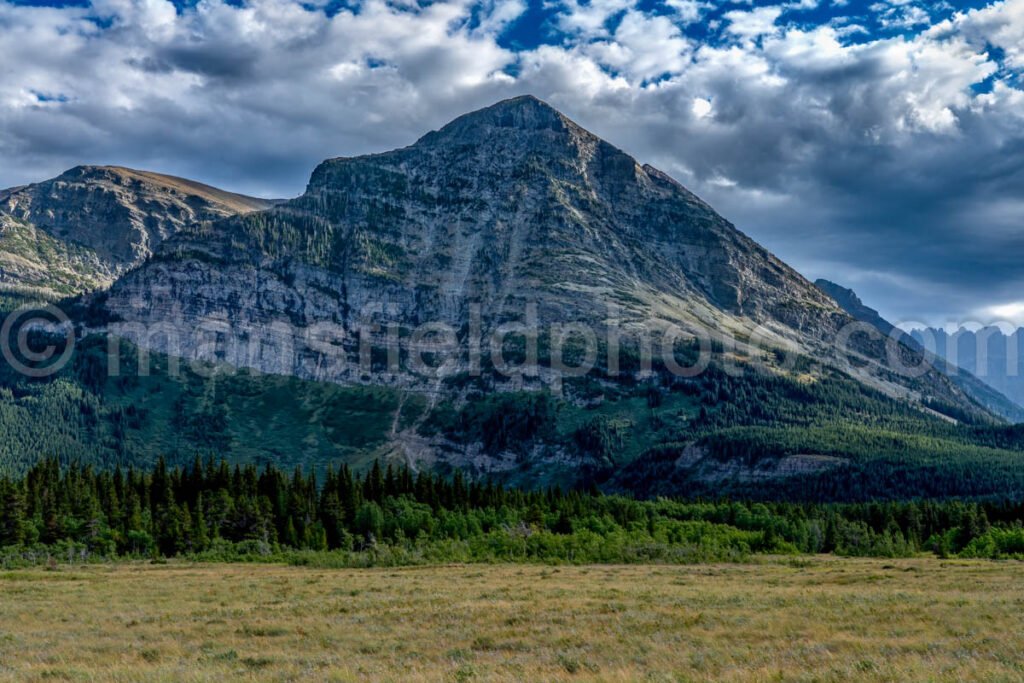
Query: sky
(876, 144)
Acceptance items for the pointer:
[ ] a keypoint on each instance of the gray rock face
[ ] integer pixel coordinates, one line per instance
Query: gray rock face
(105, 220)
(504, 211)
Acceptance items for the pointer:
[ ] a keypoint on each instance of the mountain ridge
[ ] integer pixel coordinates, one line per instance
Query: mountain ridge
(984, 392)
(109, 218)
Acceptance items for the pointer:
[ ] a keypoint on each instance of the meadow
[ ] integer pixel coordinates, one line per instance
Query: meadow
(803, 619)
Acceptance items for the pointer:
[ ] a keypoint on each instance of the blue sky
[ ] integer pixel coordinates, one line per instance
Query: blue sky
(879, 144)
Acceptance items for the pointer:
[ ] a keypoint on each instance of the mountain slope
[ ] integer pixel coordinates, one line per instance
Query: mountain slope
(984, 391)
(33, 263)
(994, 356)
(78, 231)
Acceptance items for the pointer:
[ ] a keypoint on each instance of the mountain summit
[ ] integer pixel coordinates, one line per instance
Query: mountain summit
(511, 205)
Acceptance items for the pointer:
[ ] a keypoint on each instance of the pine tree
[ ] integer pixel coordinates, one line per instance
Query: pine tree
(200, 532)
(13, 523)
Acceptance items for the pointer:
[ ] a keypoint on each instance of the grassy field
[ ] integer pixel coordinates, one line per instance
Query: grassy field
(819, 619)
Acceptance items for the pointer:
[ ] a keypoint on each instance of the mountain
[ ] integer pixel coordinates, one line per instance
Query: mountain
(507, 214)
(509, 206)
(987, 393)
(995, 357)
(79, 231)
(432, 304)
(504, 209)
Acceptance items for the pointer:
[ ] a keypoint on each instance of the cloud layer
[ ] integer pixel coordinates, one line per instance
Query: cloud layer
(880, 145)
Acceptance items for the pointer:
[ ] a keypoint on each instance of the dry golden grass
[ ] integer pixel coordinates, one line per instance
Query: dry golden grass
(821, 619)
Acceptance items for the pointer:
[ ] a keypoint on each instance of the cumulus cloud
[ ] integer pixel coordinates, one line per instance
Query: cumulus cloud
(753, 23)
(880, 146)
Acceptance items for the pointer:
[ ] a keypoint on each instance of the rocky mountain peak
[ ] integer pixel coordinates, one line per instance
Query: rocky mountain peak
(518, 115)
(505, 208)
(508, 142)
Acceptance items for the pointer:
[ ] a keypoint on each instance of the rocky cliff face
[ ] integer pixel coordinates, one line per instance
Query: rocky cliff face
(95, 222)
(503, 212)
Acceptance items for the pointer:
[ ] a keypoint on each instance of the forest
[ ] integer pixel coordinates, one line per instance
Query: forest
(211, 510)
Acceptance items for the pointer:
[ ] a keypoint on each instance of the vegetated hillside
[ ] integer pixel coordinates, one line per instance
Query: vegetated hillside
(760, 434)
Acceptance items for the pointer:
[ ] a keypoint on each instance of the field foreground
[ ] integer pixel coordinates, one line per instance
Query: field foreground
(816, 619)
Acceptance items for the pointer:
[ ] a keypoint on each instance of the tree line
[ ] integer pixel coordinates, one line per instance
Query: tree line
(212, 510)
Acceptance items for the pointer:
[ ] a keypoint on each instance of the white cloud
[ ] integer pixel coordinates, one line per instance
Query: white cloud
(589, 18)
(753, 23)
(644, 47)
(1001, 24)
(689, 11)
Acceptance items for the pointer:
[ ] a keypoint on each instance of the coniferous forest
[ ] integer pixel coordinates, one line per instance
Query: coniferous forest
(214, 511)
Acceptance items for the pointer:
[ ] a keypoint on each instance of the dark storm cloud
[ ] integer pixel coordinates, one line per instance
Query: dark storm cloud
(881, 148)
